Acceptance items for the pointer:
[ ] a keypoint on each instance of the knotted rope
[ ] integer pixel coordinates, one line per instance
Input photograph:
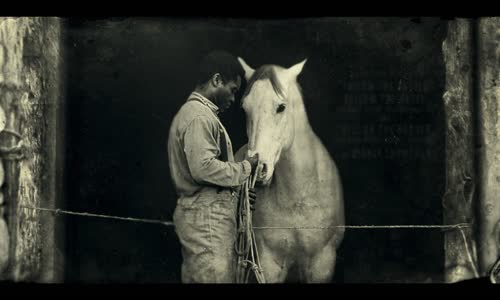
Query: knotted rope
(246, 246)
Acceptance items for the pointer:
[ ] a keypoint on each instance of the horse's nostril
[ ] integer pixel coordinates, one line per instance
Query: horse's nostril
(264, 168)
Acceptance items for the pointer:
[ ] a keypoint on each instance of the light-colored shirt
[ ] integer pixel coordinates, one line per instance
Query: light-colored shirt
(199, 150)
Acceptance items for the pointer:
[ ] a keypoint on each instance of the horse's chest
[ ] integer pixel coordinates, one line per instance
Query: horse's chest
(300, 208)
(292, 243)
(294, 227)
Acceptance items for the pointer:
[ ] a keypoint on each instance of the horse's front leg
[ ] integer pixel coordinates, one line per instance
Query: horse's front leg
(320, 267)
(274, 266)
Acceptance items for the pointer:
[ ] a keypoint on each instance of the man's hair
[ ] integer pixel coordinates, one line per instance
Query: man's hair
(221, 62)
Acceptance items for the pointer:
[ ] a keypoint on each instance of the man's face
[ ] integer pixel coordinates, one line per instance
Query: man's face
(225, 93)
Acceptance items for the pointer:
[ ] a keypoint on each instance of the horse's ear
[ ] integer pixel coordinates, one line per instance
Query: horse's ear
(295, 70)
(248, 70)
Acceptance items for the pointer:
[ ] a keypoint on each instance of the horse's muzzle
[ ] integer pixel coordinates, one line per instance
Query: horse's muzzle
(264, 173)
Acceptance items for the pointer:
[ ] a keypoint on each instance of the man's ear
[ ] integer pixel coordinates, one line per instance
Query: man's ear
(216, 80)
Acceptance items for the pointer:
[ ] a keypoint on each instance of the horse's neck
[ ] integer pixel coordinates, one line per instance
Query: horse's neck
(298, 161)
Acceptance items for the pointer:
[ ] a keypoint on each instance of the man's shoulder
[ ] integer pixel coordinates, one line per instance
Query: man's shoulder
(193, 110)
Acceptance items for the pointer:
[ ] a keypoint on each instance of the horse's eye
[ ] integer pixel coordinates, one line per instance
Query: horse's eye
(281, 108)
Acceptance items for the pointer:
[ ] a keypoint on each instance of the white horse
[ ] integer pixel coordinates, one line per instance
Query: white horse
(299, 182)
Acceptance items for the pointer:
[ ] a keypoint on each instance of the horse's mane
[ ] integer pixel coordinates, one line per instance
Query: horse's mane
(265, 72)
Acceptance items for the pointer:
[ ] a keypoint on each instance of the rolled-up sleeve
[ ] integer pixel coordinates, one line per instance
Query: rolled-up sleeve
(202, 150)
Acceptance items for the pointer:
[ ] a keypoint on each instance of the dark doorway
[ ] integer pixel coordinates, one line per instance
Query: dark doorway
(373, 91)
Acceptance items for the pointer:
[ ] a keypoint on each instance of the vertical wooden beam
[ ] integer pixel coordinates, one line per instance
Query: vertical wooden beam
(12, 33)
(29, 94)
(488, 33)
(460, 257)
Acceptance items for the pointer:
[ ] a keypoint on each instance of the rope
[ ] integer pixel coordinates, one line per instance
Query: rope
(452, 226)
(170, 223)
(495, 271)
(15, 152)
(469, 255)
(246, 245)
(13, 132)
(246, 248)
(85, 214)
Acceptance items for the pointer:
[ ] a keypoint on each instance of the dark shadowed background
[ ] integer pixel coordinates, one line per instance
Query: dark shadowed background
(373, 91)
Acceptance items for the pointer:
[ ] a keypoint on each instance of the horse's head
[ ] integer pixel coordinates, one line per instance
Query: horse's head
(269, 103)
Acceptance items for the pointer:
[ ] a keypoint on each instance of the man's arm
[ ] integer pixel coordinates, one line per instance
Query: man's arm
(201, 150)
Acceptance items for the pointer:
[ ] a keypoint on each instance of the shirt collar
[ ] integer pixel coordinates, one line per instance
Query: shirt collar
(204, 100)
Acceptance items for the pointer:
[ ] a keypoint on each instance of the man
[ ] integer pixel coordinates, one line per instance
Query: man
(205, 175)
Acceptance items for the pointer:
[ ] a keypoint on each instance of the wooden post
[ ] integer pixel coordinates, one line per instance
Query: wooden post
(30, 93)
(488, 32)
(460, 256)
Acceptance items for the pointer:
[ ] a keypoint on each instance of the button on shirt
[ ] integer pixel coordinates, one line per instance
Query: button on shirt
(200, 151)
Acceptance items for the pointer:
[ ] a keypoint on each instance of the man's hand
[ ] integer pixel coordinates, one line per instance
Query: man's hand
(254, 161)
(252, 195)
